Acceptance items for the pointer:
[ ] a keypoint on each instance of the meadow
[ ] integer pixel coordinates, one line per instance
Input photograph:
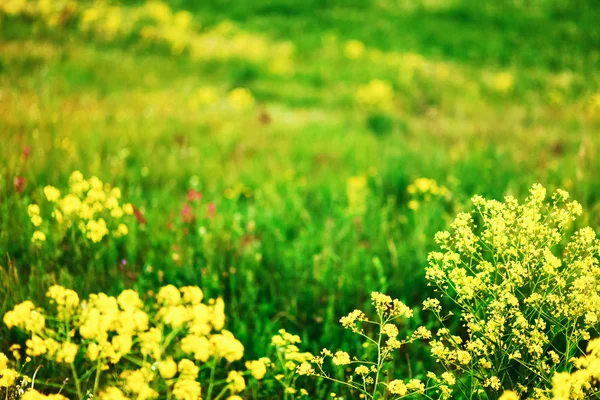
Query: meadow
(293, 162)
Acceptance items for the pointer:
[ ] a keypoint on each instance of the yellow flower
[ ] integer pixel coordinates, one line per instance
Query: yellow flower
(33, 209)
(197, 345)
(305, 369)
(169, 295)
(341, 358)
(66, 300)
(240, 99)
(25, 316)
(36, 220)
(188, 369)
(258, 369)
(33, 394)
(397, 387)
(502, 82)
(354, 49)
(167, 368)
(70, 205)
(96, 230)
(128, 209)
(116, 212)
(121, 230)
(205, 96)
(129, 300)
(192, 295)
(509, 395)
(357, 191)
(186, 389)
(112, 393)
(8, 377)
(227, 346)
(236, 381)
(67, 353)
(377, 94)
(52, 193)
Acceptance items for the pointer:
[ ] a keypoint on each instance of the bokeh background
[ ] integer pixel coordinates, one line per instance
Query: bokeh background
(289, 156)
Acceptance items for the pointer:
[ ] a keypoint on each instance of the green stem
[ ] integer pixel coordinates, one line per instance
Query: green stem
(212, 377)
(97, 379)
(221, 393)
(77, 382)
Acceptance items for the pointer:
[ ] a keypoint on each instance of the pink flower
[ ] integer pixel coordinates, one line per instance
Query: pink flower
(20, 183)
(26, 152)
(187, 214)
(194, 195)
(211, 208)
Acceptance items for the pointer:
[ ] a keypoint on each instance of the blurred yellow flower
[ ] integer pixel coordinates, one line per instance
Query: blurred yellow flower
(240, 99)
(354, 49)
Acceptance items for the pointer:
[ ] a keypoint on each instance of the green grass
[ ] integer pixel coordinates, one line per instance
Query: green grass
(120, 111)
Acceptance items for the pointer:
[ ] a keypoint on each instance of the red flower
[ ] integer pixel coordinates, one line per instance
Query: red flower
(26, 152)
(212, 210)
(20, 183)
(194, 195)
(187, 214)
(139, 216)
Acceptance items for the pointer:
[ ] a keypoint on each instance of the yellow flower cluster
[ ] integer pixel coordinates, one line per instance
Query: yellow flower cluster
(368, 377)
(168, 342)
(377, 95)
(15, 385)
(423, 190)
(357, 191)
(520, 288)
(583, 382)
(53, 13)
(287, 358)
(90, 205)
(155, 22)
(502, 82)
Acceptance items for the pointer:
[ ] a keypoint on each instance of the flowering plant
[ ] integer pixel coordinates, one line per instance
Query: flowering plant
(526, 291)
(370, 378)
(117, 347)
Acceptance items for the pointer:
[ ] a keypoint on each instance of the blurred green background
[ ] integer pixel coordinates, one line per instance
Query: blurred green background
(303, 125)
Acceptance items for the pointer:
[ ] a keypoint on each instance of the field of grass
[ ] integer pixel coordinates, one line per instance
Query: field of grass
(273, 151)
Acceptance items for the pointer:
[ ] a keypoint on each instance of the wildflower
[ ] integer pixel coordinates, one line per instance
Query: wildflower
(96, 230)
(52, 193)
(19, 182)
(199, 346)
(397, 387)
(422, 333)
(341, 358)
(129, 300)
(227, 346)
(167, 368)
(258, 369)
(390, 330)
(354, 49)
(361, 370)
(305, 369)
(192, 295)
(188, 369)
(449, 378)
(509, 395)
(112, 393)
(377, 94)
(240, 99)
(236, 381)
(169, 295)
(349, 320)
